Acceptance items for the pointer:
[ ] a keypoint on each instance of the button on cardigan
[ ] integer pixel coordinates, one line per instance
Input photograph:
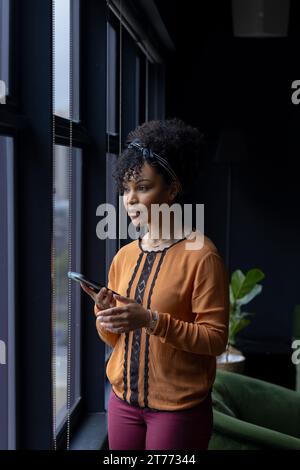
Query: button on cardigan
(174, 368)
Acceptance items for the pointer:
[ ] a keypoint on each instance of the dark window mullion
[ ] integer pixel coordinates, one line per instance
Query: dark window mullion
(11, 121)
(80, 136)
(33, 232)
(112, 143)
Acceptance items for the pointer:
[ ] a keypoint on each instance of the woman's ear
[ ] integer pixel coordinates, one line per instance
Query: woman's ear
(173, 190)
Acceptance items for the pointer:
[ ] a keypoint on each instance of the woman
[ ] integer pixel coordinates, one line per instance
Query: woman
(170, 320)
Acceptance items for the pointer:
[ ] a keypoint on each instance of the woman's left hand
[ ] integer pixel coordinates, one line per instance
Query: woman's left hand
(125, 318)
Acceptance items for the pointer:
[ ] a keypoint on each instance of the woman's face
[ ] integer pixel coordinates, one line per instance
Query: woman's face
(145, 189)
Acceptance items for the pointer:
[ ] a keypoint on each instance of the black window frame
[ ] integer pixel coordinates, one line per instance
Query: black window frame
(7, 299)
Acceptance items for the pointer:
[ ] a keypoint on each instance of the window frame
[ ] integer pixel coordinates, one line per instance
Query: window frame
(8, 265)
(12, 99)
(76, 205)
(73, 47)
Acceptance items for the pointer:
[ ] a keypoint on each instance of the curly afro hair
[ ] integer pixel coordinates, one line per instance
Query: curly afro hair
(180, 144)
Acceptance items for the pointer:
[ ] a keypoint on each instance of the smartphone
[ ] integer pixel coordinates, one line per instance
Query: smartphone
(92, 284)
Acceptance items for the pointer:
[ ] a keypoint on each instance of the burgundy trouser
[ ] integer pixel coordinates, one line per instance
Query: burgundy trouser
(133, 428)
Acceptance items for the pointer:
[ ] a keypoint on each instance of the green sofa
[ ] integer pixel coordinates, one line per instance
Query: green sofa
(253, 414)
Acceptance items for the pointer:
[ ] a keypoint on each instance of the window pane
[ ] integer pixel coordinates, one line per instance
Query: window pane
(156, 91)
(147, 90)
(62, 57)
(4, 49)
(7, 308)
(142, 89)
(161, 83)
(152, 92)
(64, 13)
(75, 18)
(63, 202)
(111, 121)
(137, 90)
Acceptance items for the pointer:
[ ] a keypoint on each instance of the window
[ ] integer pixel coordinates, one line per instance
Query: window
(156, 92)
(146, 89)
(141, 88)
(112, 111)
(67, 233)
(67, 180)
(7, 309)
(4, 50)
(66, 18)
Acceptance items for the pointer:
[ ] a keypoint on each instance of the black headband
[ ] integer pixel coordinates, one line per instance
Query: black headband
(149, 154)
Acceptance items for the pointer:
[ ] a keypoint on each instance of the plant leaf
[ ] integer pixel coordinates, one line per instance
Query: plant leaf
(246, 314)
(239, 326)
(248, 297)
(231, 295)
(252, 277)
(237, 279)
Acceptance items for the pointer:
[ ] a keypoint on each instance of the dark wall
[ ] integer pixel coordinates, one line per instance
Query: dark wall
(238, 91)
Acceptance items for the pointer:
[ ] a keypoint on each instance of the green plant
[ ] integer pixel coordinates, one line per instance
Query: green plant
(242, 289)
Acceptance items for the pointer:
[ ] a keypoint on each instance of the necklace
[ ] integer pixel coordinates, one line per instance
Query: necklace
(159, 244)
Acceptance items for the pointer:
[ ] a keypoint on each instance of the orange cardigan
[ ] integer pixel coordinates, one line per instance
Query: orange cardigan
(173, 368)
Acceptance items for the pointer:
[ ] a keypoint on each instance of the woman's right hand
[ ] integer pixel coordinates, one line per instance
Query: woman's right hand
(103, 299)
